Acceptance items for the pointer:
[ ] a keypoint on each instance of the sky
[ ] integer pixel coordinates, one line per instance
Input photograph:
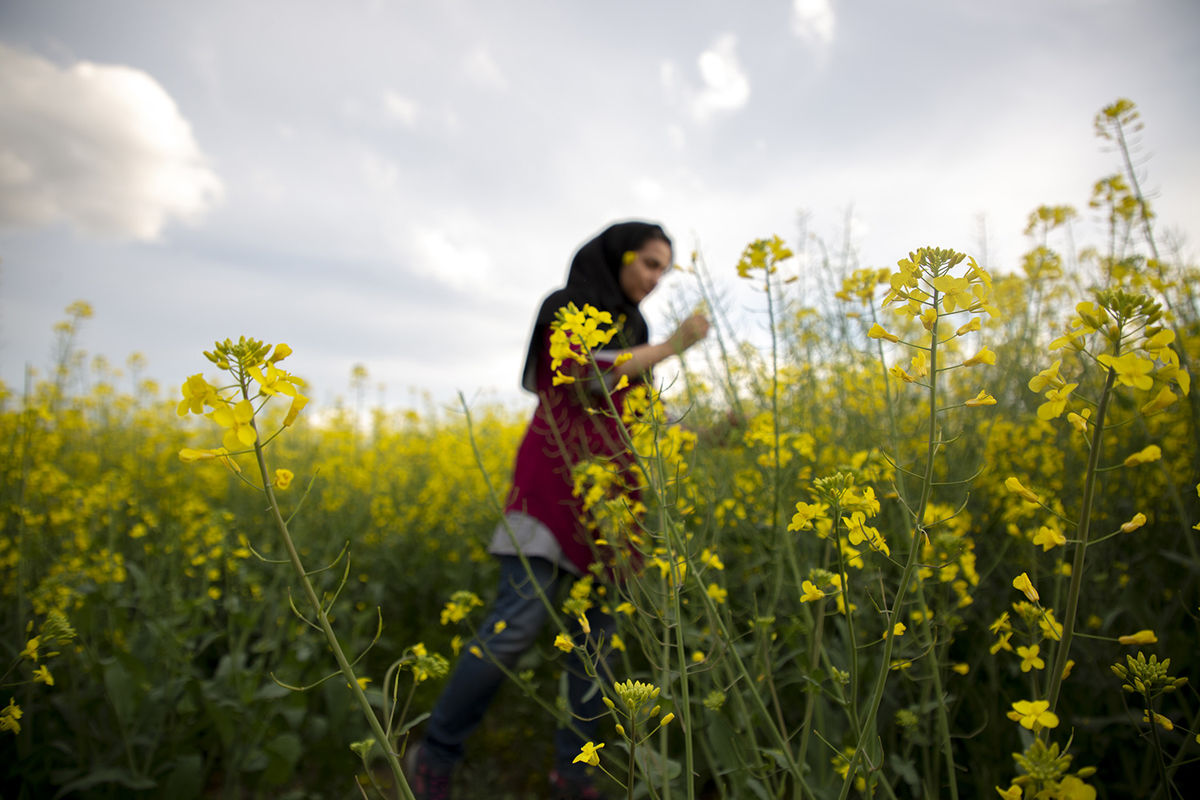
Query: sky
(398, 184)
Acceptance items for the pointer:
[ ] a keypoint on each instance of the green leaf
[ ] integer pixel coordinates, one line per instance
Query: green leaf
(117, 775)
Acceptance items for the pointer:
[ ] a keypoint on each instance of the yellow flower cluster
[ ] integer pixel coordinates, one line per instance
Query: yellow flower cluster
(257, 376)
(575, 334)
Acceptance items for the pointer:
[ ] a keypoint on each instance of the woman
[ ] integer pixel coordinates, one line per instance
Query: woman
(613, 272)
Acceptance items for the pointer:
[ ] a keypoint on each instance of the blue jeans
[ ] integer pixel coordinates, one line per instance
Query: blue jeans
(474, 681)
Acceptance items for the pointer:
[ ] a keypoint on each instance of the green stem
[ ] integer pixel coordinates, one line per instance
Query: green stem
(330, 637)
(1081, 534)
(868, 728)
(684, 705)
(943, 719)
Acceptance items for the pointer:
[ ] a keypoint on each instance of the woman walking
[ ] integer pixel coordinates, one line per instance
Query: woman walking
(613, 272)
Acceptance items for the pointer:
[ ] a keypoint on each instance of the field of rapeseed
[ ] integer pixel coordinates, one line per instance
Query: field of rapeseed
(937, 538)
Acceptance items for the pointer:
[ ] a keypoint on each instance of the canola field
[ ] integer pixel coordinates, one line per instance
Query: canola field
(937, 538)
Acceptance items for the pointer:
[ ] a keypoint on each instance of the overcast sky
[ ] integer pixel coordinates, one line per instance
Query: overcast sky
(397, 184)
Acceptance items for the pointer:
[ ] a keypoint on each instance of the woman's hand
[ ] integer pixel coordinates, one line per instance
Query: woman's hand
(645, 356)
(690, 331)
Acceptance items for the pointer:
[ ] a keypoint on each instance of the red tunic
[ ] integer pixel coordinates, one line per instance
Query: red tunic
(561, 435)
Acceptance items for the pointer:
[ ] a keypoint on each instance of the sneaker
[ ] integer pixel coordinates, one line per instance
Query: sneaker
(426, 781)
(563, 787)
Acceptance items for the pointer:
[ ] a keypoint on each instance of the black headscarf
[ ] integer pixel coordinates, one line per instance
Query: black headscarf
(594, 279)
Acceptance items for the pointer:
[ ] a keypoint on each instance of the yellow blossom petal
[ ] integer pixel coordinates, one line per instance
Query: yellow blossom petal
(1023, 584)
(589, 754)
(1145, 636)
(879, 332)
(1144, 456)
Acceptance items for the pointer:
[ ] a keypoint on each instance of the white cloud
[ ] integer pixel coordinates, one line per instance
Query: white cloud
(813, 20)
(725, 85)
(481, 68)
(647, 191)
(452, 261)
(399, 108)
(100, 146)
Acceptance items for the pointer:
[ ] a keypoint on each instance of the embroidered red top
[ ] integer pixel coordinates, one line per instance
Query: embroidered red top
(561, 435)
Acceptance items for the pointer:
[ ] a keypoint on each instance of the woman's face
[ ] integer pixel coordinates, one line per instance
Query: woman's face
(639, 276)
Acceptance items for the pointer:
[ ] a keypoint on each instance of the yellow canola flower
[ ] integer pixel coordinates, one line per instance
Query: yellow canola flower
(576, 332)
(197, 393)
(1029, 658)
(275, 381)
(1048, 538)
(857, 531)
(1016, 487)
(187, 455)
(1131, 368)
(710, 559)
(877, 331)
(919, 365)
(563, 642)
(984, 356)
(282, 351)
(1144, 456)
(589, 754)
(283, 478)
(1080, 421)
(1033, 714)
(970, 327)
(1056, 402)
(717, 594)
(811, 592)
(1072, 788)
(1144, 636)
(1011, 793)
(1024, 585)
(1163, 399)
(9, 717)
(42, 675)
(956, 292)
(1091, 316)
(806, 514)
(981, 399)
(459, 605)
(31, 649)
(238, 421)
(1137, 521)
(1047, 378)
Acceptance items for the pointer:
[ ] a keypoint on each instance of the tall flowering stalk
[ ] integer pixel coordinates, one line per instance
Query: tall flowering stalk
(236, 408)
(1122, 337)
(926, 289)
